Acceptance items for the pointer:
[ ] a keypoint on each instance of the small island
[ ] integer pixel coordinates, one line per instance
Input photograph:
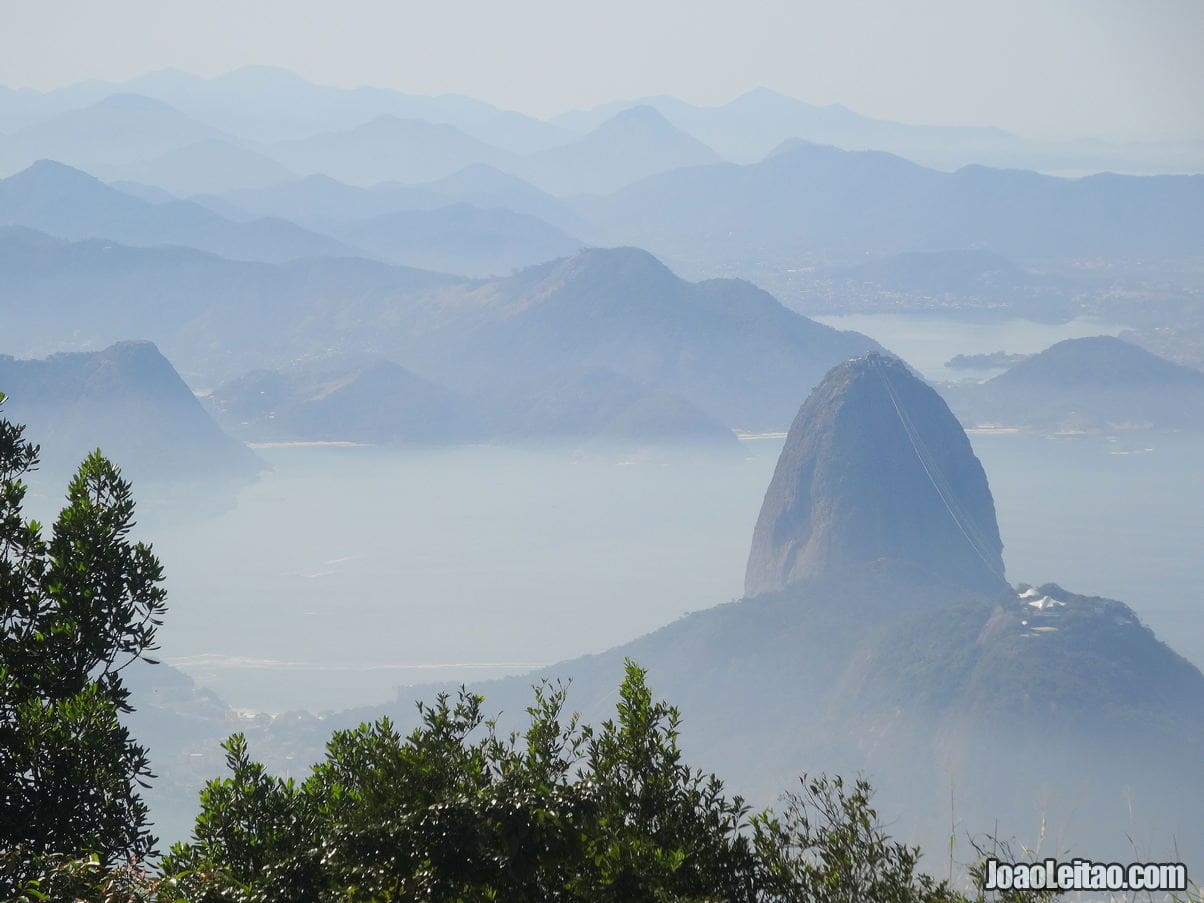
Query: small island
(994, 360)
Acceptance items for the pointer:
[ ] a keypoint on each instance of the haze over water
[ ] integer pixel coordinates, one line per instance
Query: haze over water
(347, 572)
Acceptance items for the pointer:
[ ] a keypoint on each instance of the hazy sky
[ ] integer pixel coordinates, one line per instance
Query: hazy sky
(1055, 68)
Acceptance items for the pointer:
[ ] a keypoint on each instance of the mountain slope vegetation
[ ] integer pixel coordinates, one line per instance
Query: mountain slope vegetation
(129, 400)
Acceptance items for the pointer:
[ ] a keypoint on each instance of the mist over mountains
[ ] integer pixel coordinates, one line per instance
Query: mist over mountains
(433, 230)
(388, 149)
(204, 167)
(725, 346)
(629, 146)
(116, 129)
(460, 238)
(924, 671)
(750, 126)
(320, 201)
(806, 203)
(264, 105)
(69, 203)
(826, 192)
(191, 266)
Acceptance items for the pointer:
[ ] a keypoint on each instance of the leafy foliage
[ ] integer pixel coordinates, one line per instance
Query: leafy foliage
(828, 846)
(75, 609)
(455, 811)
(561, 812)
(86, 880)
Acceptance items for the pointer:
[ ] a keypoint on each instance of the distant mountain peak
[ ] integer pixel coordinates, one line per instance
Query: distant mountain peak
(791, 146)
(647, 123)
(49, 179)
(1099, 361)
(383, 124)
(614, 264)
(46, 168)
(262, 75)
(763, 91)
(765, 99)
(876, 468)
(69, 203)
(642, 114)
(813, 150)
(483, 176)
(135, 103)
(388, 125)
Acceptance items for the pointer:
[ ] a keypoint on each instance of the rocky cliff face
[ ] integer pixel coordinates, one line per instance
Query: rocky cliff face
(876, 468)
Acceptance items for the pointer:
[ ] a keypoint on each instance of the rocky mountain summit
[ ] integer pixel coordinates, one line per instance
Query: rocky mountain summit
(876, 467)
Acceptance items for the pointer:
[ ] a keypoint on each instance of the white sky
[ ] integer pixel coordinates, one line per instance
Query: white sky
(1120, 69)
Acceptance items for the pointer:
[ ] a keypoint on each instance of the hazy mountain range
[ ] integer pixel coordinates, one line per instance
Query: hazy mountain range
(747, 128)
(388, 149)
(71, 204)
(453, 236)
(265, 105)
(645, 181)
(725, 346)
(215, 317)
(329, 264)
(808, 204)
(209, 166)
(631, 145)
(322, 202)
(113, 131)
(138, 138)
(460, 239)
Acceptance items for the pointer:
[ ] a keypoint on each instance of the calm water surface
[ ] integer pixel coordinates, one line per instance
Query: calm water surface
(347, 572)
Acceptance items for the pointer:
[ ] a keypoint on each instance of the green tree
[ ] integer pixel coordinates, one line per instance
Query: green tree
(828, 847)
(76, 609)
(454, 812)
(663, 830)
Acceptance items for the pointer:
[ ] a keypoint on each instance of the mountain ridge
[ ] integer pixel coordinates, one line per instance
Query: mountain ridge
(69, 203)
(724, 346)
(813, 206)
